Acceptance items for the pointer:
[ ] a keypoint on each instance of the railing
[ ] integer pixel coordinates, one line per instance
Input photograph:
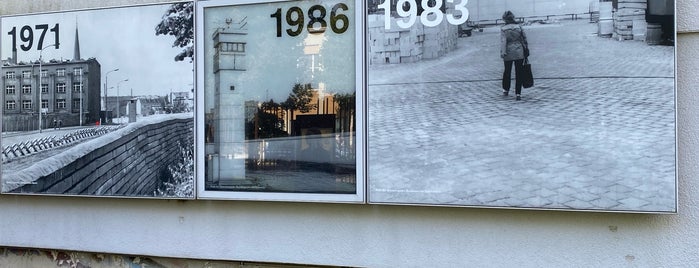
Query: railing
(34, 146)
(485, 23)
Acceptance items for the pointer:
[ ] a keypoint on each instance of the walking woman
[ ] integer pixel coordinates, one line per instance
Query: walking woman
(513, 49)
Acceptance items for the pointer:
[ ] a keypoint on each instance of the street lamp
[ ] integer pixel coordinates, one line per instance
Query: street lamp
(118, 104)
(106, 83)
(40, 102)
(81, 96)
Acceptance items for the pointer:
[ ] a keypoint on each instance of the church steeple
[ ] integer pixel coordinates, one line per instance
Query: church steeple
(76, 52)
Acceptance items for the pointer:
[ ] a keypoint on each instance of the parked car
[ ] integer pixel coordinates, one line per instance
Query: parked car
(465, 30)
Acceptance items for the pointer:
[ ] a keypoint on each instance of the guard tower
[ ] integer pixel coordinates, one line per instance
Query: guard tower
(229, 115)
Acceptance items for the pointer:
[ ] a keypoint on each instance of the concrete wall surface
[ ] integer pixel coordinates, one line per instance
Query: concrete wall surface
(371, 235)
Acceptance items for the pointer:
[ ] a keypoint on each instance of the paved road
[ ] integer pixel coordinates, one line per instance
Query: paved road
(596, 132)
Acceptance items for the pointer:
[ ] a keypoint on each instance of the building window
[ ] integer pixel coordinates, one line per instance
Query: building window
(44, 73)
(44, 104)
(27, 104)
(26, 89)
(60, 87)
(61, 72)
(45, 88)
(232, 47)
(9, 90)
(10, 75)
(60, 103)
(78, 71)
(78, 87)
(10, 105)
(26, 74)
(76, 105)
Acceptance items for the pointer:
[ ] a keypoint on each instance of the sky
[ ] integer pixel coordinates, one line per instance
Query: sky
(119, 38)
(274, 64)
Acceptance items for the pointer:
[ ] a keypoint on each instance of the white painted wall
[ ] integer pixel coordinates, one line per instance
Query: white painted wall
(375, 236)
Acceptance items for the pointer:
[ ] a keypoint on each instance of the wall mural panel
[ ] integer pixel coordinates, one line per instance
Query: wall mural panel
(449, 122)
(279, 110)
(99, 102)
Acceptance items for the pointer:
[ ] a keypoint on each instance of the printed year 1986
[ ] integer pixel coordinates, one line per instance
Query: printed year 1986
(317, 21)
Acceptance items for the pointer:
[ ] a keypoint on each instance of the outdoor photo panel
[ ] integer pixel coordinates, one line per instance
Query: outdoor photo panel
(277, 113)
(450, 124)
(99, 102)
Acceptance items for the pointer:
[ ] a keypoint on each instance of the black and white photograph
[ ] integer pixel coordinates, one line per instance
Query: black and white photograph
(277, 117)
(527, 104)
(99, 102)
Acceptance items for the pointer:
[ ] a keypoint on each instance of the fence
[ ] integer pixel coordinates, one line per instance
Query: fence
(34, 146)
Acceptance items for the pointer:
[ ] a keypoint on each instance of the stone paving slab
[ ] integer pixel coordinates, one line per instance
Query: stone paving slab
(597, 132)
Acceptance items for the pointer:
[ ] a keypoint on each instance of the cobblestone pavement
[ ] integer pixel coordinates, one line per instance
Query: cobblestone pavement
(597, 131)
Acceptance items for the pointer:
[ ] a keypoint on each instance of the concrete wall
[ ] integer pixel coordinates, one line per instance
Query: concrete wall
(398, 45)
(130, 166)
(376, 236)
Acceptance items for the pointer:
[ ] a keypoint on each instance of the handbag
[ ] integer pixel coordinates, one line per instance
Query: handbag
(527, 76)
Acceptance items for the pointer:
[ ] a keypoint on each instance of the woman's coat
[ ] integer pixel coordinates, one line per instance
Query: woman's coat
(512, 42)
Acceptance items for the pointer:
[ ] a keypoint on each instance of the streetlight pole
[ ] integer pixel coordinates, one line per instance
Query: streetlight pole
(40, 102)
(81, 96)
(106, 83)
(119, 104)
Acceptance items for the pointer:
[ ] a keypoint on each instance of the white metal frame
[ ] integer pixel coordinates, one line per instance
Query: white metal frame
(359, 196)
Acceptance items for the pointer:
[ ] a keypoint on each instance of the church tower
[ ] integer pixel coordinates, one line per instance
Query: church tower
(76, 51)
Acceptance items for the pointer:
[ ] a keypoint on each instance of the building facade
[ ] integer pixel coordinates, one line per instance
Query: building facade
(62, 90)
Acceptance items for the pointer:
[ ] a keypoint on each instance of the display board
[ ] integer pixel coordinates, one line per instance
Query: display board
(99, 102)
(597, 131)
(279, 102)
(97, 105)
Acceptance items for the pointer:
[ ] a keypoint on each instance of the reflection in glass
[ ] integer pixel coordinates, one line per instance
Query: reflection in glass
(280, 112)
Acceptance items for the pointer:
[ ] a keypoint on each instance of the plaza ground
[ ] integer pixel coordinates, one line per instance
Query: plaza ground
(597, 131)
